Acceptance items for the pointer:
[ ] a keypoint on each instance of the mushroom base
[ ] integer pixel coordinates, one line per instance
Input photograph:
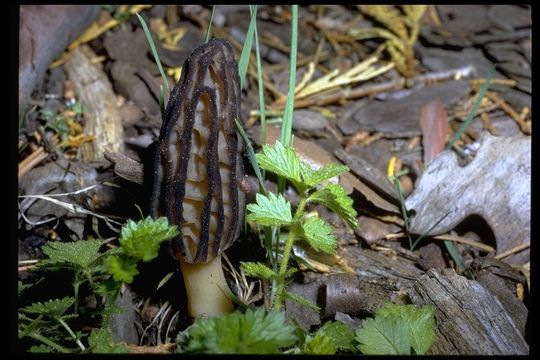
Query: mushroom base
(205, 287)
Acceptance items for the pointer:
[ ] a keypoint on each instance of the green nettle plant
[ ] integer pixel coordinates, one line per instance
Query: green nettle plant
(275, 210)
(47, 323)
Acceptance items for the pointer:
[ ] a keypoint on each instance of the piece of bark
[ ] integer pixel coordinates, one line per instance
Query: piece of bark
(373, 264)
(496, 185)
(431, 257)
(370, 175)
(438, 59)
(469, 319)
(435, 128)
(309, 120)
(305, 316)
(44, 32)
(354, 294)
(501, 280)
(102, 118)
(373, 230)
(341, 292)
(126, 167)
(399, 118)
(377, 153)
(509, 17)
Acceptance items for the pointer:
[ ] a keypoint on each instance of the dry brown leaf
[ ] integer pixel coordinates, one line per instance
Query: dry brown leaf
(496, 185)
(435, 128)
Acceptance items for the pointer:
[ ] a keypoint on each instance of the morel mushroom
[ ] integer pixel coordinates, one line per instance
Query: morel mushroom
(198, 166)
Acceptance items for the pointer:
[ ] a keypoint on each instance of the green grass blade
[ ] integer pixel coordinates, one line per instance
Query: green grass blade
(285, 136)
(397, 184)
(425, 234)
(454, 253)
(286, 126)
(207, 37)
(154, 52)
(262, 105)
(251, 155)
(246, 50)
(474, 109)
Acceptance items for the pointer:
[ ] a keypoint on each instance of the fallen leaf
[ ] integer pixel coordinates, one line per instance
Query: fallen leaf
(435, 128)
(496, 185)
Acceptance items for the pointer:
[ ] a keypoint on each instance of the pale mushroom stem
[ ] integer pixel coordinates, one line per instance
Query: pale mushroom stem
(205, 286)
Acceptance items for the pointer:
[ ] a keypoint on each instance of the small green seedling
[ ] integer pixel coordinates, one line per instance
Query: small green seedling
(275, 210)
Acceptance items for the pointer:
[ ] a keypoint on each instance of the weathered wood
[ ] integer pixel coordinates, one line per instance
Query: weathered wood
(102, 117)
(470, 320)
(372, 264)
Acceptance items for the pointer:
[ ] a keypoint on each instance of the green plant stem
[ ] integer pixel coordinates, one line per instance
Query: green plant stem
(28, 328)
(48, 342)
(207, 37)
(280, 284)
(66, 326)
(474, 109)
(154, 52)
(76, 285)
(399, 189)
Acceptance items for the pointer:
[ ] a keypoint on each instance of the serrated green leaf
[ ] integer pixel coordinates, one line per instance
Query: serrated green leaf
(319, 344)
(290, 272)
(384, 336)
(22, 287)
(53, 308)
(334, 197)
(396, 310)
(342, 335)
(141, 239)
(318, 234)
(270, 210)
(421, 323)
(283, 161)
(258, 270)
(108, 287)
(79, 254)
(41, 349)
(253, 332)
(101, 342)
(422, 327)
(299, 299)
(122, 268)
(313, 178)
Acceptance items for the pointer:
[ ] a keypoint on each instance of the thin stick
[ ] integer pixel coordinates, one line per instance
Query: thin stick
(454, 238)
(513, 251)
(32, 160)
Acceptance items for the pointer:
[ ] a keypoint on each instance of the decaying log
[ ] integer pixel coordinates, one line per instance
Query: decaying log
(470, 319)
(373, 264)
